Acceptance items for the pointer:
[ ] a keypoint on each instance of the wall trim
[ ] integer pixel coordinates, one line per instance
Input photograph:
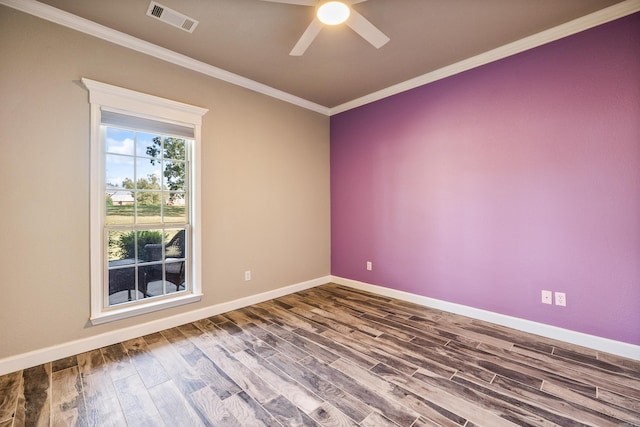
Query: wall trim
(70, 348)
(594, 19)
(591, 341)
(86, 26)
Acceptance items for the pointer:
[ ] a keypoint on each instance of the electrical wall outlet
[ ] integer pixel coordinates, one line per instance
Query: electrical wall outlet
(247, 275)
(561, 299)
(546, 297)
(369, 265)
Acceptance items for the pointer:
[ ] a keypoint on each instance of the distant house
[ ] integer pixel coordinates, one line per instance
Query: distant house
(119, 196)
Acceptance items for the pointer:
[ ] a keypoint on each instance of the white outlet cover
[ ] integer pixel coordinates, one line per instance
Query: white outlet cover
(547, 297)
(561, 299)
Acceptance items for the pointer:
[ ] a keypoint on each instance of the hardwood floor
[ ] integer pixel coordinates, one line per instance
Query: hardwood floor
(330, 356)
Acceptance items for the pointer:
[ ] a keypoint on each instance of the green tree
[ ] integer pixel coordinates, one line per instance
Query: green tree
(172, 150)
(151, 182)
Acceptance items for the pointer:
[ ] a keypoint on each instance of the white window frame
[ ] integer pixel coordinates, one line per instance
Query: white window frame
(129, 102)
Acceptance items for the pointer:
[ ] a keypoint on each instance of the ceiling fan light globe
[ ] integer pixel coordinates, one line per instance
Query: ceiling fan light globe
(333, 12)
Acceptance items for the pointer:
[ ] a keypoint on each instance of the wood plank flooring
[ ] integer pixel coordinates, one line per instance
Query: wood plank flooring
(329, 356)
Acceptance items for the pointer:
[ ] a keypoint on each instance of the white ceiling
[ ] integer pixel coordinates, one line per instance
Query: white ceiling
(429, 38)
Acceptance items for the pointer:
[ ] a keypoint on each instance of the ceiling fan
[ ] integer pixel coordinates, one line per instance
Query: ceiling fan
(334, 13)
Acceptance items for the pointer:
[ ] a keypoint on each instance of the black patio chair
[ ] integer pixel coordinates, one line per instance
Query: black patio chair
(174, 270)
(123, 279)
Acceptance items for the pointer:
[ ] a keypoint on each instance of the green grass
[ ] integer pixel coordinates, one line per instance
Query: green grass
(146, 210)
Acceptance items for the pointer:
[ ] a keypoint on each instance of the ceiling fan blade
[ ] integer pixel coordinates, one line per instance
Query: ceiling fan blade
(367, 30)
(298, 2)
(307, 37)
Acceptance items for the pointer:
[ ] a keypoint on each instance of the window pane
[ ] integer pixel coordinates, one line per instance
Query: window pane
(148, 173)
(150, 245)
(113, 247)
(174, 148)
(119, 184)
(119, 171)
(175, 208)
(175, 276)
(175, 263)
(164, 265)
(148, 145)
(119, 213)
(174, 243)
(174, 175)
(119, 141)
(149, 207)
(122, 282)
(122, 268)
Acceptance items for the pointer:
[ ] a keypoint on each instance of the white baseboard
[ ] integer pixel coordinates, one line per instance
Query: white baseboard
(48, 354)
(591, 341)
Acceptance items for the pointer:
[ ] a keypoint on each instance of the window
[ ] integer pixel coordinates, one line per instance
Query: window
(145, 243)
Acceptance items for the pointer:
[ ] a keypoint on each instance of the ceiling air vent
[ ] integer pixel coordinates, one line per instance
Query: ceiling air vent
(171, 17)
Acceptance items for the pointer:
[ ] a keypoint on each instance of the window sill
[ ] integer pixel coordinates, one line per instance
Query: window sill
(125, 312)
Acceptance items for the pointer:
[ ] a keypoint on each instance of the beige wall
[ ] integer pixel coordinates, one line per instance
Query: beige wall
(265, 181)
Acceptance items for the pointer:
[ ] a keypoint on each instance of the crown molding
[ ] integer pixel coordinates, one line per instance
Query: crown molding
(86, 26)
(69, 20)
(594, 19)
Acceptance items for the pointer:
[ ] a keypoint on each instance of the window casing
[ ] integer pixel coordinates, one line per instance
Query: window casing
(145, 202)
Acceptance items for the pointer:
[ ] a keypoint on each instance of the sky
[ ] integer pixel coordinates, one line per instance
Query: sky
(121, 144)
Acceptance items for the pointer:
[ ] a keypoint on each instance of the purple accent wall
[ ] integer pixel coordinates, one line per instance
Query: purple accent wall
(484, 188)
